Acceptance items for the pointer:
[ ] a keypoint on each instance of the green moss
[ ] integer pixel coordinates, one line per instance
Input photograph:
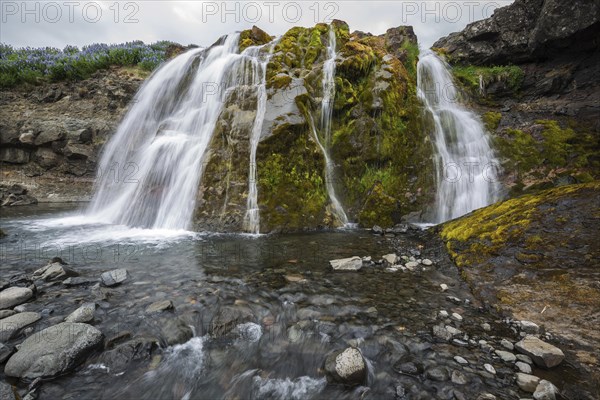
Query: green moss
(378, 208)
(279, 81)
(488, 229)
(253, 37)
(469, 76)
(491, 120)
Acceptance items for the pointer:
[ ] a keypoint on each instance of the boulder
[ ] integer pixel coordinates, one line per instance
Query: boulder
(346, 264)
(114, 277)
(85, 313)
(53, 351)
(52, 272)
(543, 354)
(346, 366)
(10, 326)
(227, 318)
(176, 331)
(118, 359)
(13, 296)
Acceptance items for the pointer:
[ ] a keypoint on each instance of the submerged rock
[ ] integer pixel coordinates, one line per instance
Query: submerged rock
(53, 271)
(53, 351)
(10, 326)
(160, 306)
(346, 264)
(114, 277)
(543, 354)
(84, 313)
(346, 366)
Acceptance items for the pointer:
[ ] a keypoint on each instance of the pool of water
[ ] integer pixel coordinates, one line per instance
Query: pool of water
(294, 311)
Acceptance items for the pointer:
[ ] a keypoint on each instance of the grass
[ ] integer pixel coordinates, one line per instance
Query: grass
(48, 64)
(469, 76)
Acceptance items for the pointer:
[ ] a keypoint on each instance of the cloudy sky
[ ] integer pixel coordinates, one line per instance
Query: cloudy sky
(69, 22)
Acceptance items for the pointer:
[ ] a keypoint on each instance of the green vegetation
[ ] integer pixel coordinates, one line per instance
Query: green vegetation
(491, 120)
(469, 75)
(34, 66)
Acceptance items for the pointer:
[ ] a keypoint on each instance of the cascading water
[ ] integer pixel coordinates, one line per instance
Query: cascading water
(252, 217)
(328, 86)
(466, 165)
(163, 139)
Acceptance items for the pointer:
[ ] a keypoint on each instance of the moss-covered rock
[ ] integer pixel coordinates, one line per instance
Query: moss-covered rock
(253, 37)
(535, 252)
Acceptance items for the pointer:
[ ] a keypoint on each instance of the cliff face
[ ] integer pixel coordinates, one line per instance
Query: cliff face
(540, 98)
(51, 135)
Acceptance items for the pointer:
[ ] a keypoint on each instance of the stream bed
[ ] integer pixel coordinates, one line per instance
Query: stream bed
(256, 316)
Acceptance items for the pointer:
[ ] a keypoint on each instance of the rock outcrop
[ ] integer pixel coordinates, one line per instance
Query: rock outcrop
(532, 72)
(527, 30)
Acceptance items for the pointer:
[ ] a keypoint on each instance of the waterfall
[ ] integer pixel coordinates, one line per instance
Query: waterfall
(252, 217)
(162, 143)
(466, 165)
(328, 86)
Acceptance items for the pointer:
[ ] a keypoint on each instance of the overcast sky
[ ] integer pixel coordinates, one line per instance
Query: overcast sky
(60, 23)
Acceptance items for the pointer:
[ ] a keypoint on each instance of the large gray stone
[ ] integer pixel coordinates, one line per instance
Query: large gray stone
(545, 390)
(543, 354)
(114, 277)
(10, 326)
(346, 366)
(84, 313)
(52, 272)
(176, 331)
(346, 264)
(53, 351)
(13, 296)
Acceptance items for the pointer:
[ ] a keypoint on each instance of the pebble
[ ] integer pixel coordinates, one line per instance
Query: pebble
(454, 299)
(114, 277)
(443, 314)
(486, 327)
(529, 327)
(506, 356)
(461, 343)
(457, 316)
(444, 287)
(427, 262)
(527, 383)
(459, 378)
(524, 358)
(460, 360)
(489, 368)
(411, 265)
(523, 367)
(507, 344)
(545, 390)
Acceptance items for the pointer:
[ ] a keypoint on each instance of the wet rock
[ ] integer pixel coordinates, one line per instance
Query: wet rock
(506, 356)
(377, 230)
(527, 383)
(7, 392)
(411, 265)
(52, 272)
(77, 281)
(486, 396)
(524, 358)
(543, 354)
(441, 333)
(486, 327)
(176, 331)
(523, 367)
(438, 374)
(114, 277)
(457, 317)
(11, 326)
(346, 264)
(346, 366)
(6, 313)
(227, 318)
(545, 390)
(408, 368)
(5, 352)
(13, 296)
(159, 306)
(249, 332)
(427, 262)
(84, 313)
(489, 368)
(53, 351)
(443, 314)
(118, 358)
(460, 360)
(459, 378)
